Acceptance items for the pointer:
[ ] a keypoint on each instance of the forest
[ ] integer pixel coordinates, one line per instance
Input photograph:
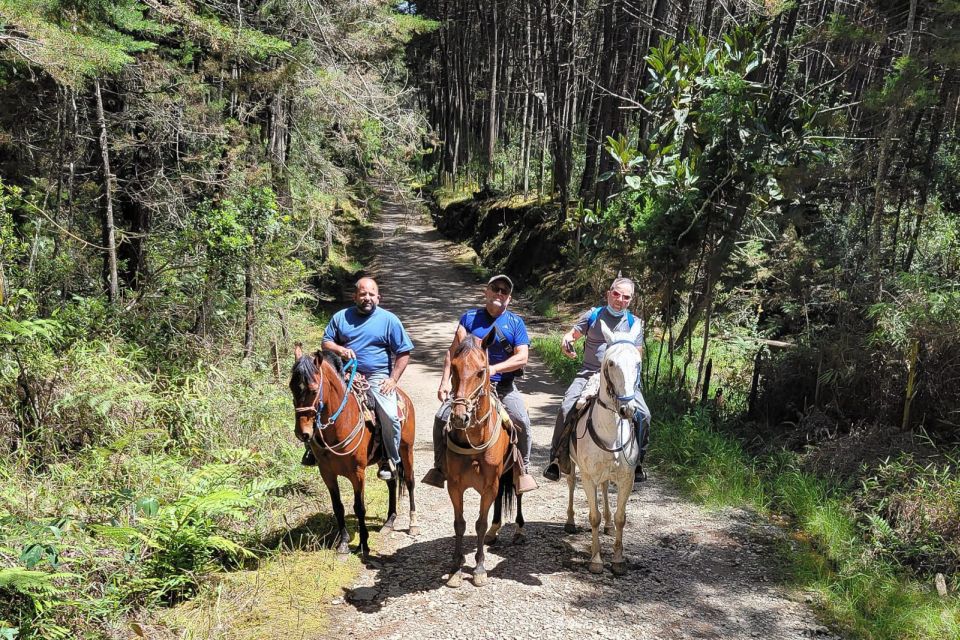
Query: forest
(185, 186)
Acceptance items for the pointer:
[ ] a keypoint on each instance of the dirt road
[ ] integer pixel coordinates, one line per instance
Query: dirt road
(693, 574)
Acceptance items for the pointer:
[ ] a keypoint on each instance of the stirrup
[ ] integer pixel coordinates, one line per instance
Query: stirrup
(434, 478)
(387, 470)
(526, 483)
(552, 471)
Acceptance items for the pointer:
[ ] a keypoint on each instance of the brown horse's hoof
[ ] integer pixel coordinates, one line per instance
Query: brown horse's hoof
(570, 527)
(414, 530)
(491, 536)
(619, 568)
(595, 567)
(455, 580)
(519, 538)
(479, 579)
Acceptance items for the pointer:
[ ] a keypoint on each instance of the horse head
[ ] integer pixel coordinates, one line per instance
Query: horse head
(306, 384)
(470, 379)
(621, 368)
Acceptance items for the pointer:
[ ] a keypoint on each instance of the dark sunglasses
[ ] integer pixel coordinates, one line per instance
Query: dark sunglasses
(498, 289)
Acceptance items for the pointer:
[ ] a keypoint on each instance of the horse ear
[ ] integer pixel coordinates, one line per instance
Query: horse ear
(607, 334)
(297, 351)
(489, 338)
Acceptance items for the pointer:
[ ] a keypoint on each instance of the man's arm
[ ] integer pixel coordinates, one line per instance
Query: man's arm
(389, 385)
(444, 389)
(519, 358)
(345, 353)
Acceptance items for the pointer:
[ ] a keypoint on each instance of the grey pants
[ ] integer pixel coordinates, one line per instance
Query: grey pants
(641, 418)
(516, 409)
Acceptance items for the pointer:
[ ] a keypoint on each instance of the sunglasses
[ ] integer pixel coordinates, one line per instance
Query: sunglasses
(500, 289)
(620, 296)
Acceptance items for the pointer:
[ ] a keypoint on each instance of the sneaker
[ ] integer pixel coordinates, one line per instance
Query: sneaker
(552, 472)
(525, 484)
(639, 475)
(308, 460)
(434, 478)
(386, 470)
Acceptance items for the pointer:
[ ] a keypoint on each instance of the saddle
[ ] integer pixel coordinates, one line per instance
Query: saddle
(588, 397)
(369, 413)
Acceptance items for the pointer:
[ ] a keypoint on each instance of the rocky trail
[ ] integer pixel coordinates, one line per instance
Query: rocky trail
(692, 573)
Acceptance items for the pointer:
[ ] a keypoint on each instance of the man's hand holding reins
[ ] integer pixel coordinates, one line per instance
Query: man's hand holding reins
(443, 391)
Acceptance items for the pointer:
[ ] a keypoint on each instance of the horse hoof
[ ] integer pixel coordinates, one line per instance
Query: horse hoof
(387, 526)
(607, 530)
(519, 538)
(596, 567)
(455, 581)
(343, 551)
(414, 530)
(479, 579)
(619, 568)
(490, 538)
(570, 527)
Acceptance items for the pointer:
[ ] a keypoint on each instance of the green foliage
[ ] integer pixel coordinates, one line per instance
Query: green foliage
(860, 592)
(562, 367)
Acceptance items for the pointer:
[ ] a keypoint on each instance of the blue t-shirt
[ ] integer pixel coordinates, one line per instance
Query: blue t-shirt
(478, 323)
(374, 338)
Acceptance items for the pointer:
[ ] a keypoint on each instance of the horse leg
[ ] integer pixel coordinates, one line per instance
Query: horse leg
(494, 529)
(607, 519)
(619, 566)
(343, 536)
(596, 564)
(392, 507)
(571, 526)
(487, 497)
(519, 537)
(459, 527)
(360, 510)
(406, 461)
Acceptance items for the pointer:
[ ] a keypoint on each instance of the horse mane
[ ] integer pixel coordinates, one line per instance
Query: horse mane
(469, 343)
(304, 369)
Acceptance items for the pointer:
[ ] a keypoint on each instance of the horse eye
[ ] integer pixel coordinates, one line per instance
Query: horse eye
(480, 373)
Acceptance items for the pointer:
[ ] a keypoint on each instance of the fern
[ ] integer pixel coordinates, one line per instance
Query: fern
(31, 583)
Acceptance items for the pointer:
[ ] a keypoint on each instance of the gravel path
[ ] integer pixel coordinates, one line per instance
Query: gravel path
(692, 573)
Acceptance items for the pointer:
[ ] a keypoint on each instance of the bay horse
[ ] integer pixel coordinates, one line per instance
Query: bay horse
(477, 453)
(330, 419)
(612, 450)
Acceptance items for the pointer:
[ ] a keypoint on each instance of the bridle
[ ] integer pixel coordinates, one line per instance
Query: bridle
(319, 426)
(470, 404)
(611, 390)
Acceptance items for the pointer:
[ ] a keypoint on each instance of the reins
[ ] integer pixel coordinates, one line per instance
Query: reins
(469, 404)
(339, 448)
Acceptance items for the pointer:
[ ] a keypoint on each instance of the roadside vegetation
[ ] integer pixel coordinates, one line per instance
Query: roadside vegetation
(190, 183)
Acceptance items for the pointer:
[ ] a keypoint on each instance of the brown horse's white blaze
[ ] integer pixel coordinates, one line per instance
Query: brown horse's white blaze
(477, 452)
(342, 445)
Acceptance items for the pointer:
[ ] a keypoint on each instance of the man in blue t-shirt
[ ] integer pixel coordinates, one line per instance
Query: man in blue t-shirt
(506, 355)
(381, 346)
(618, 318)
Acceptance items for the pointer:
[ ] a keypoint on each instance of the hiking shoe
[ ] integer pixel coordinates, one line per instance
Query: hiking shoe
(526, 483)
(434, 478)
(308, 459)
(639, 475)
(552, 472)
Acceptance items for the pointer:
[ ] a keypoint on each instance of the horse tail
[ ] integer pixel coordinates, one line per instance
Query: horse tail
(402, 478)
(506, 494)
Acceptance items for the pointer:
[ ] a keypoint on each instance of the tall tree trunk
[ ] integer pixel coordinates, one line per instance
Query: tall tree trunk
(249, 297)
(108, 229)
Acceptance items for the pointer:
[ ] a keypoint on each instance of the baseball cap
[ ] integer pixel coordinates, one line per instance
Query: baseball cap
(501, 276)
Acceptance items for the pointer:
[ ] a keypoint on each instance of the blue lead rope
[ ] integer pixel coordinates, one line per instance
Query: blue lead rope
(352, 365)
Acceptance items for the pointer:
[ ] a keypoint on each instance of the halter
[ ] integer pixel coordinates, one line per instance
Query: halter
(621, 401)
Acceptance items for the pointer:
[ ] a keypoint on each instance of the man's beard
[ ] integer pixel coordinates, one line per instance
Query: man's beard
(366, 306)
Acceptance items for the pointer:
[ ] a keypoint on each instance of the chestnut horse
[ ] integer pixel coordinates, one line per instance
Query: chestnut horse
(478, 450)
(329, 417)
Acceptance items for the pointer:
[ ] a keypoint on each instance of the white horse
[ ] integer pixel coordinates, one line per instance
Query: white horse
(605, 445)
